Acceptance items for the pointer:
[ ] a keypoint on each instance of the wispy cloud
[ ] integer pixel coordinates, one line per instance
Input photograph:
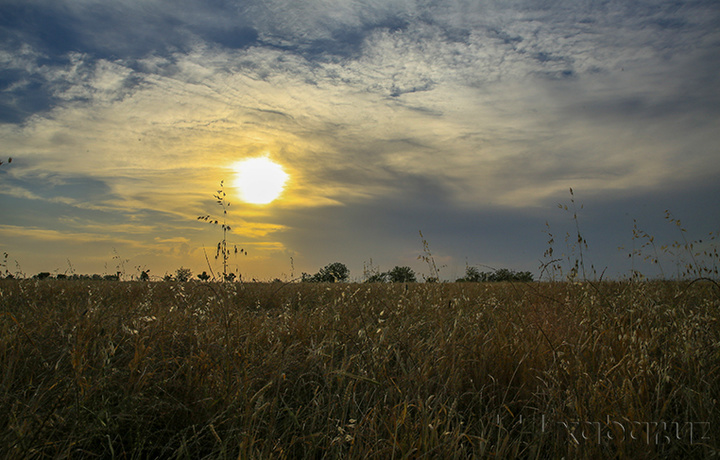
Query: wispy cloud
(50, 235)
(465, 106)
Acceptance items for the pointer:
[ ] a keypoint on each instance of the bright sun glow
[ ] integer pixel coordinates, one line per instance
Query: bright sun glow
(259, 180)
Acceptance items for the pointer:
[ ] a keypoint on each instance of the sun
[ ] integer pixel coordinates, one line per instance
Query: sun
(259, 180)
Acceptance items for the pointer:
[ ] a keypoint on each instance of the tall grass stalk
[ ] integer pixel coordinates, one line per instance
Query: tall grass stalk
(223, 250)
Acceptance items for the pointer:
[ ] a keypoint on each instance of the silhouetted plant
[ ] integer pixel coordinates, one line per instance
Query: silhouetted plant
(549, 264)
(578, 241)
(703, 255)
(119, 264)
(4, 272)
(575, 243)
(222, 246)
(693, 259)
(427, 257)
(372, 274)
(70, 270)
(203, 276)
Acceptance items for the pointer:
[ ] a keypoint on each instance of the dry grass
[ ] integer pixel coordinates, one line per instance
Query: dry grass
(467, 370)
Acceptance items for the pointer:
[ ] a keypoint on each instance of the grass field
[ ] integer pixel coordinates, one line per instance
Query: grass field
(310, 370)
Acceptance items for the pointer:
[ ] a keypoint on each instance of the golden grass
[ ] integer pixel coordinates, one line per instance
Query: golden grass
(467, 370)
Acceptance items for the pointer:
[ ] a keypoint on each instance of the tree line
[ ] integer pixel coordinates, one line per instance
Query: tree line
(339, 273)
(332, 273)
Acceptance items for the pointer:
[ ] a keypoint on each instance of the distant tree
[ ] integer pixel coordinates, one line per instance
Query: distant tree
(526, 277)
(331, 273)
(401, 275)
(472, 274)
(203, 276)
(183, 274)
(42, 275)
(509, 275)
(144, 276)
(335, 272)
(230, 277)
(378, 278)
(428, 258)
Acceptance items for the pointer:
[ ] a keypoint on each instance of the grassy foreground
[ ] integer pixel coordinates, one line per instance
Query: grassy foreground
(467, 370)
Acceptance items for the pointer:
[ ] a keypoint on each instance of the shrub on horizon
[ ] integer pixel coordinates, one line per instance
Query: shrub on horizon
(331, 273)
(183, 274)
(402, 275)
(473, 275)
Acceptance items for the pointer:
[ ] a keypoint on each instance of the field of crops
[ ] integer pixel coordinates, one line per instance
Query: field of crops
(312, 370)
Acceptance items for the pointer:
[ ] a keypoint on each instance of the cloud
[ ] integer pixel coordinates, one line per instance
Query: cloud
(407, 108)
(50, 235)
(466, 107)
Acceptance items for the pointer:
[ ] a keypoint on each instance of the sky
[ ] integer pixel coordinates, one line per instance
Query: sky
(468, 121)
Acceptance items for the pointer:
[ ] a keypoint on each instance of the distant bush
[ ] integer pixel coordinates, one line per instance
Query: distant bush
(332, 273)
(402, 275)
(183, 274)
(396, 275)
(377, 278)
(472, 274)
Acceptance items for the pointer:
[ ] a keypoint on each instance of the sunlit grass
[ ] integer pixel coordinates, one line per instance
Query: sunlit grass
(192, 370)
